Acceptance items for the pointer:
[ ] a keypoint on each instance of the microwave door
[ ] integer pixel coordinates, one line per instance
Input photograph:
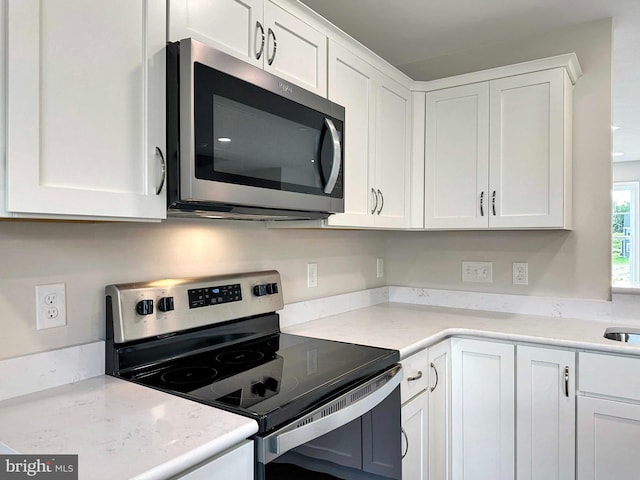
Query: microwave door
(331, 155)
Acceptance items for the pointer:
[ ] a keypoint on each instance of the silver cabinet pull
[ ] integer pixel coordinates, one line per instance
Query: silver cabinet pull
(406, 441)
(566, 382)
(431, 389)
(417, 377)
(261, 28)
(337, 156)
(272, 34)
(164, 170)
(493, 202)
(381, 201)
(375, 206)
(482, 204)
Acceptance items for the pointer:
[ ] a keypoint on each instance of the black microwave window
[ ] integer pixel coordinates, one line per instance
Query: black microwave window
(247, 135)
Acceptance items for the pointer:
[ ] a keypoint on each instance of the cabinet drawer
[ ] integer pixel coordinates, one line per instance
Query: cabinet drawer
(415, 367)
(609, 375)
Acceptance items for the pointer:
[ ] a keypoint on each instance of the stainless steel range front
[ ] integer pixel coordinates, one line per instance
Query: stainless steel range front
(325, 409)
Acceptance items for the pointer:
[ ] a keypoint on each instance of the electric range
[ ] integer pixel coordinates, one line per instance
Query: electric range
(216, 340)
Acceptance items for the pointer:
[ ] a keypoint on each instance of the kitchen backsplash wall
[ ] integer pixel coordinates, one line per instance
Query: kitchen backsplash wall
(573, 263)
(87, 256)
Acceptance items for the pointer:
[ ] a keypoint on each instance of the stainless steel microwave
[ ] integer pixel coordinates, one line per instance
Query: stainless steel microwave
(245, 144)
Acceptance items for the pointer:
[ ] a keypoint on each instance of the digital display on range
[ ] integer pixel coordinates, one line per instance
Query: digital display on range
(203, 297)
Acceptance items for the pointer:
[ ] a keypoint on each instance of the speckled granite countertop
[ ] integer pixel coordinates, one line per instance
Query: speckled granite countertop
(120, 430)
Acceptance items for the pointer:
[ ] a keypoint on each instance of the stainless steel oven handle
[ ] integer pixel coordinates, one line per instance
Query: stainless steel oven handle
(337, 156)
(306, 429)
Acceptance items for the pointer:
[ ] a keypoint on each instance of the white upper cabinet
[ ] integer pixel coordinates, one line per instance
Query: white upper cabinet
(529, 154)
(259, 32)
(498, 151)
(85, 108)
(233, 26)
(377, 142)
(352, 85)
(457, 152)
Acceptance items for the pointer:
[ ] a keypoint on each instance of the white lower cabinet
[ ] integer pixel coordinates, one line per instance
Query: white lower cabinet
(608, 428)
(236, 464)
(414, 416)
(545, 421)
(482, 410)
(439, 440)
(414, 447)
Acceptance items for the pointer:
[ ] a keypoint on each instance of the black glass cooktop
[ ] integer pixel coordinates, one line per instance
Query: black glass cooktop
(273, 379)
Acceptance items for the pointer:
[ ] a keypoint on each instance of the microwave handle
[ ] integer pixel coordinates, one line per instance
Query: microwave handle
(337, 156)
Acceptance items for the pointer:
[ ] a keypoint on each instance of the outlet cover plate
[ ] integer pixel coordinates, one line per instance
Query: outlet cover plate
(478, 272)
(51, 308)
(520, 273)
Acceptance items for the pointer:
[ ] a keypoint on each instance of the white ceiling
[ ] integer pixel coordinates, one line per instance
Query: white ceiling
(406, 31)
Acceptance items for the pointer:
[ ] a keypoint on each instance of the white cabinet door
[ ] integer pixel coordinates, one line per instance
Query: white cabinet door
(377, 143)
(258, 32)
(392, 154)
(439, 390)
(351, 84)
(415, 431)
(527, 161)
(294, 50)
(86, 107)
(482, 412)
(608, 439)
(545, 422)
(233, 26)
(457, 157)
(236, 464)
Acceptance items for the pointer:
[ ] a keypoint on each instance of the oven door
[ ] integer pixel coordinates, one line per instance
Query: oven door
(354, 436)
(248, 138)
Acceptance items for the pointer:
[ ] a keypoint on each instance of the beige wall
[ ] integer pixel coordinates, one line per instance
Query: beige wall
(626, 171)
(563, 264)
(86, 257)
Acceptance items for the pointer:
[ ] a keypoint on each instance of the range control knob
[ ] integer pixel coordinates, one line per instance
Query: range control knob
(272, 288)
(165, 304)
(145, 307)
(259, 389)
(271, 384)
(260, 290)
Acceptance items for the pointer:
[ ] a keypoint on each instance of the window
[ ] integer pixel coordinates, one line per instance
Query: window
(624, 232)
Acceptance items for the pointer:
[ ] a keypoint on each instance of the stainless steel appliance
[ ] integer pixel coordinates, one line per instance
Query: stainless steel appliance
(243, 143)
(325, 409)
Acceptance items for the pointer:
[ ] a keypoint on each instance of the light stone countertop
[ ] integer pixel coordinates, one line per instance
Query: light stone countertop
(120, 430)
(410, 328)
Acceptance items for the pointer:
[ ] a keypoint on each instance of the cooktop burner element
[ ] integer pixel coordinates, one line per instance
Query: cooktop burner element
(229, 353)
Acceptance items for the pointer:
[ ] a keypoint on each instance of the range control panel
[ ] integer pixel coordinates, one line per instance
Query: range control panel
(203, 297)
(161, 307)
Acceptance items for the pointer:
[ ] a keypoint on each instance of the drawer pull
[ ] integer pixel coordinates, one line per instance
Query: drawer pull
(406, 440)
(566, 382)
(431, 389)
(417, 377)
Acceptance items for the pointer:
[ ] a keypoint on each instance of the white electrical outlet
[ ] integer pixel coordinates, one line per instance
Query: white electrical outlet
(479, 272)
(520, 273)
(51, 308)
(380, 267)
(312, 275)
